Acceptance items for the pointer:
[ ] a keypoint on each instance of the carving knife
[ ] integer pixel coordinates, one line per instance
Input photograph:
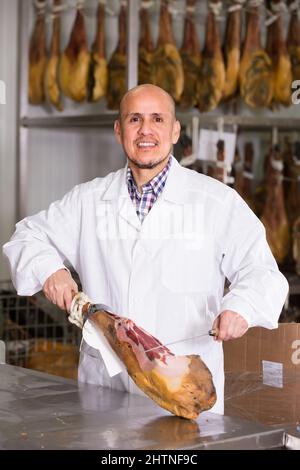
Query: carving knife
(214, 332)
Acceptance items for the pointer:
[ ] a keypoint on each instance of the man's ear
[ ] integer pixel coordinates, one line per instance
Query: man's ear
(176, 132)
(117, 129)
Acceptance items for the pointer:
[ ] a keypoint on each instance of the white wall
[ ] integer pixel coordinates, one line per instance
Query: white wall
(8, 122)
(60, 159)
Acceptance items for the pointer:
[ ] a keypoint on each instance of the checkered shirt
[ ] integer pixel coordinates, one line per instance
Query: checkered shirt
(150, 191)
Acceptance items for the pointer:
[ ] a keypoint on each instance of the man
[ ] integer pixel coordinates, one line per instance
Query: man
(154, 241)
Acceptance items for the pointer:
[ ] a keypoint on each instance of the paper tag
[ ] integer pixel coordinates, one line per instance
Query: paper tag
(207, 149)
(273, 374)
(97, 340)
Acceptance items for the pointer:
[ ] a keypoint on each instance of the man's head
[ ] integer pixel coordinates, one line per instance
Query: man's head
(147, 127)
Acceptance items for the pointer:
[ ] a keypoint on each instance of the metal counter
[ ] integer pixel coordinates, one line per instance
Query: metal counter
(41, 411)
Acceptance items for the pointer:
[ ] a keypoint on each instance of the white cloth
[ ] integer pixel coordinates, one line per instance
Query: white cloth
(166, 274)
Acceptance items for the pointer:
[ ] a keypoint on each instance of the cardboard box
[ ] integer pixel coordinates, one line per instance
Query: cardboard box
(262, 371)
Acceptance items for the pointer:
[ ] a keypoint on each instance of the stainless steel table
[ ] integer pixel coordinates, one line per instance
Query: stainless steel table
(41, 411)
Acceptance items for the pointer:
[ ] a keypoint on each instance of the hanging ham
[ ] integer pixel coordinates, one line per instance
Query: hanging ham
(274, 215)
(181, 384)
(281, 63)
(292, 186)
(37, 57)
(211, 79)
(98, 75)
(167, 64)
(293, 39)
(75, 62)
(246, 187)
(255, 77)
(117, 65)
(191, 58)
(232, 49)
(220, 169)
(52, 88)
(146, 48)
(296, 244)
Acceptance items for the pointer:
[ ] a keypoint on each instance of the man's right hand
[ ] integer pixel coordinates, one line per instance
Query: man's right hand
(60, 288)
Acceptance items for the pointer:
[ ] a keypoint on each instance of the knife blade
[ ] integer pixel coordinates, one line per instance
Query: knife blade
(213, 332)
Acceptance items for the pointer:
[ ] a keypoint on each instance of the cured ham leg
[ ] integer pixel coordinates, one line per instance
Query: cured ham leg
(167, 65)
(274, 215)
(51, 76)
(293, 39)
(256, 80)
(37, 58)
(220, 170)
(211, 78)
(146, 48)
(232, 49)
(281, 64)
(117, 65)
(191, 58)
(98, 69)
(180, 384)
(75, 62)
(246, 187)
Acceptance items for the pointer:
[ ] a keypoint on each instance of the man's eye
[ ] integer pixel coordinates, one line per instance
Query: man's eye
(158, 119)
(134, 119)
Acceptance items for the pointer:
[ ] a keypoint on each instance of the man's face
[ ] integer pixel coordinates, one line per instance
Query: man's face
(147, 128)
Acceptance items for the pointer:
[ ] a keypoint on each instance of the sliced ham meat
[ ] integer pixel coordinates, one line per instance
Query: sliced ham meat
(51, 76)
(191, 58)
(255, 78)
(146, 48)
(98, 75)
(211, 79)
(167, 64)
(75, 62)
(274, 215)
(181, 384)
(281, 63)
(117, 65)
(37, 58)
(232, 49)
(293, 39)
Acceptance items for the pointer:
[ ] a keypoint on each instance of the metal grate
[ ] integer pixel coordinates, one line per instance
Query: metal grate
(37, 334)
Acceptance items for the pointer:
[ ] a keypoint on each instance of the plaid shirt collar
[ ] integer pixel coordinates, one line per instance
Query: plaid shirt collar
(150, 191)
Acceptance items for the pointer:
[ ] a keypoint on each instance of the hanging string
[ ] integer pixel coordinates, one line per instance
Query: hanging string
(255, 3)
(79, 4)
(278, 7)
(146, 4)
(276, 164)
(236, 5)
(248, 175)
(40, 6)
(294, 6)
(216, 8)
(190, 9)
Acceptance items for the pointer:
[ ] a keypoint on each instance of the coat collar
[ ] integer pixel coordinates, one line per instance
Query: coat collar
(174, 189)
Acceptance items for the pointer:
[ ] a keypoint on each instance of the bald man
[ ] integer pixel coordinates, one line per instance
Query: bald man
(153, 241)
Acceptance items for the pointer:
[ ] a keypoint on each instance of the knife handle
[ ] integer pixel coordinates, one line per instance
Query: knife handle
(214, 332)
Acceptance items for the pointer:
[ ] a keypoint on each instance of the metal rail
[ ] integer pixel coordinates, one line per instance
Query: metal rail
(254, 123)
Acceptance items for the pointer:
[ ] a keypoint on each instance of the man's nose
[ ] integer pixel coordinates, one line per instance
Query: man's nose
(145, 127)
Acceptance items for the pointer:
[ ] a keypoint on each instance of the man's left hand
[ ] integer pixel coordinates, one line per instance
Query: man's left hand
(230, 325)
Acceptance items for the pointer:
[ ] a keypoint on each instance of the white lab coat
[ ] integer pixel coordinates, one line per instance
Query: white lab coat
(166, 274)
